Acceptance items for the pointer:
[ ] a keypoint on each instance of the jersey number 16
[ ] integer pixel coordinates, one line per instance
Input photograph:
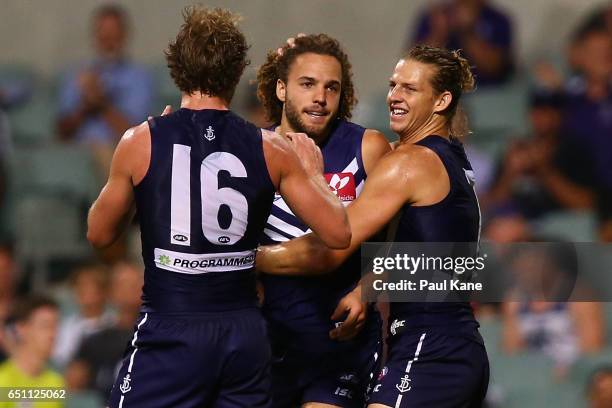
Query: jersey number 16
(213, 198)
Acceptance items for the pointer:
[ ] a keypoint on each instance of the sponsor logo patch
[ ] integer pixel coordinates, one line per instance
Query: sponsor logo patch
(342, 185)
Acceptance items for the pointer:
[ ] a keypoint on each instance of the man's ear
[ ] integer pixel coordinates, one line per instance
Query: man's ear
(281, 90)
(443, 101)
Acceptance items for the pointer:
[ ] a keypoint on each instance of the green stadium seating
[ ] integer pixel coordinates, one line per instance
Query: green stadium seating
(573, 226)
(51, 189)
(167, 92)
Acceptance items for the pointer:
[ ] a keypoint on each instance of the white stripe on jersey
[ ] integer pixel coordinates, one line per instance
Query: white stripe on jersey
(275, 235)
(359, 188)
(286, 227)
(352, 167)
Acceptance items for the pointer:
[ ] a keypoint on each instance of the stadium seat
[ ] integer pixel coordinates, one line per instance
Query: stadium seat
(32, 121)
(51, 189)
(573, 226)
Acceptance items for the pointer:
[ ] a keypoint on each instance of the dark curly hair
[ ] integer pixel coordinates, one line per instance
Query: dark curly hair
(277, 67)
(453, 74)
(209, 54)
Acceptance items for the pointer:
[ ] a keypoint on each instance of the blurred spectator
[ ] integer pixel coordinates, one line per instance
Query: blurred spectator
(99, 356)
(483, 32)
(34, 326)
(560, 330)
(588, 112)
(546, 275)
(599, 388)
(103, 98)
(90, 284)
(506, 228)
(7, 289)
(548, 170)
(482, 164)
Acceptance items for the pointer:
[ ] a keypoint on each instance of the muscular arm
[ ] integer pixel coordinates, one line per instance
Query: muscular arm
(308, 195)
(114, 207)
(404, 175)
(373, 147)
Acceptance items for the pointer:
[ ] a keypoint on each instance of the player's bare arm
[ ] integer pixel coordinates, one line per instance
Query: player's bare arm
(405, 175)
(296, 167)
(113, 209)
(373, 147)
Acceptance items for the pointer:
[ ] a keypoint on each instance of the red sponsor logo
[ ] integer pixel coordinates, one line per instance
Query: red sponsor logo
(342, 185)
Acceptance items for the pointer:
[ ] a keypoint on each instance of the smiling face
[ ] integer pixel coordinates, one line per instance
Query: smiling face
(411, 99)
(311, 95)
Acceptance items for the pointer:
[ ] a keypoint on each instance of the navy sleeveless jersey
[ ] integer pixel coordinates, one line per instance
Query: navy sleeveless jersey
(454, 219)
(202, 207)
(305, 304)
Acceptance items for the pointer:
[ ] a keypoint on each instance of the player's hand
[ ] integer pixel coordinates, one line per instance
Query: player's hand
(308, 152)
(167, 110)
(355, 319)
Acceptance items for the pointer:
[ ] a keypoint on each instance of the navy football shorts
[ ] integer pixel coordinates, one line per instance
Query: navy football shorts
(219, 360)
(428, 369)
(339, 377)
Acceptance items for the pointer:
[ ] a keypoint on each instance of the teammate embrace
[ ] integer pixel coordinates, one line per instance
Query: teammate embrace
(203, 183)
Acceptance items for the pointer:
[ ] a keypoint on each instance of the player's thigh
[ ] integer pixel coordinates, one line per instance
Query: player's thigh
(378, 406)
(163, 366)
(318, 405)
(245, 379)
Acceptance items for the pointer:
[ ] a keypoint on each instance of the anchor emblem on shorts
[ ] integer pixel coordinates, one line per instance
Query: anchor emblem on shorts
(404, 384)
(125, 386)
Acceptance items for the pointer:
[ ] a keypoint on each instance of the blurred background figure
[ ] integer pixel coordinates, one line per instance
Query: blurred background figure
(34, 325)
(599, 388)
(7, 294)
(546, 171)
(90, 285)
(588, 111)
(482, 31)
(102, 98)
(99, 355)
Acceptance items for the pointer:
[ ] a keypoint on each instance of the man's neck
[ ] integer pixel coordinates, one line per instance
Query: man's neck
(199, 101)
(431, 128)
(28, 362)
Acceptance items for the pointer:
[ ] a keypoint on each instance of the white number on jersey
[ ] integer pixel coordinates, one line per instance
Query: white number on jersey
(213, 198)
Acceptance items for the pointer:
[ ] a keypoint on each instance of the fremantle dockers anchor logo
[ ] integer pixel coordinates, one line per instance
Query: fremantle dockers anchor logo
(125, 386)
(210, 133)
(404, 385)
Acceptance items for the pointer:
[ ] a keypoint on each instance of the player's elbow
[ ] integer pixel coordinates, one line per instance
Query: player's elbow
(339, 237)
(98, 239)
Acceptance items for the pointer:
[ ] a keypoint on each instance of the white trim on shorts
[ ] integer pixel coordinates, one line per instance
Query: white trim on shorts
(129, 370)
(409, 366)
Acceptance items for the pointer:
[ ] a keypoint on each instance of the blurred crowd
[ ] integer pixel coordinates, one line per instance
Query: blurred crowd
(71, 330)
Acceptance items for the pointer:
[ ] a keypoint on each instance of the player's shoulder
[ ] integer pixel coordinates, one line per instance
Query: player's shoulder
(410, 163)
(136, 135)
(375, 139)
